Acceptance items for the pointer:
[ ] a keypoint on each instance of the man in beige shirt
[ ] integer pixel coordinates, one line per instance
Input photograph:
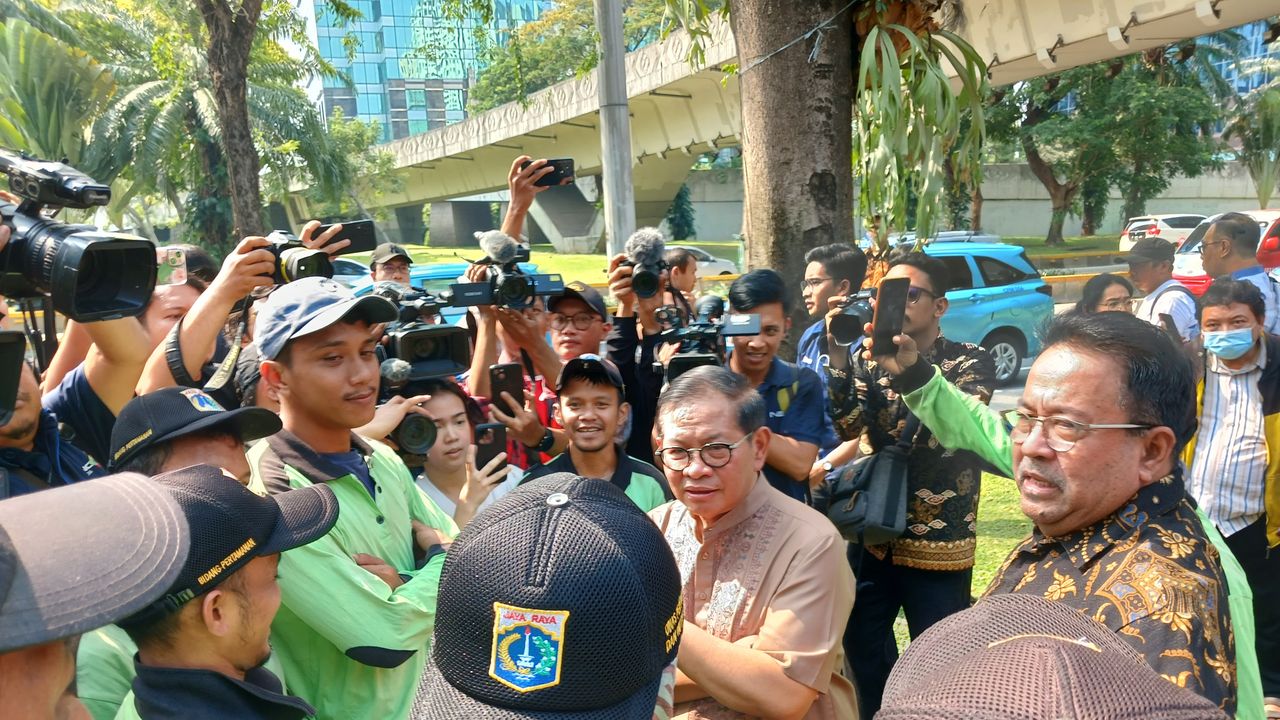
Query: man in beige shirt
(767, 589)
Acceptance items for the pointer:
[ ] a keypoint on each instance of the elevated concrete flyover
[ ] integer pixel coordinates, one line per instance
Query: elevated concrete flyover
(679, 111)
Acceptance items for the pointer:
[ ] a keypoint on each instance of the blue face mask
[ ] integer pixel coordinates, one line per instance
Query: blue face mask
(1229, 344)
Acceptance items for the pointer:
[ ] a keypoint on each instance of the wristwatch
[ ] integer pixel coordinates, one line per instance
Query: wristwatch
(544, 445)
(827, 466)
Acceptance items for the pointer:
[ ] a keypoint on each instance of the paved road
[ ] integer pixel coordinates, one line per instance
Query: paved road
(1006, 398)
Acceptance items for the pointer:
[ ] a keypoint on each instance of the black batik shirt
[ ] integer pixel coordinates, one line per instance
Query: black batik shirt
(942, 486)
(1149, 574)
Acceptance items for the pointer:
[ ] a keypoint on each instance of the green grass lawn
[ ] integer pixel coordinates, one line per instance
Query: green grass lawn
(1082, 245)
(1001, 526)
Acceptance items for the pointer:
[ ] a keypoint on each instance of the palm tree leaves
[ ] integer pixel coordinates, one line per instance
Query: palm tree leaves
(51, 93)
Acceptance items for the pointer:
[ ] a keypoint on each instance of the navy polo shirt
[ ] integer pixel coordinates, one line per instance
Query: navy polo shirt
(802, 421)
(812, 353)
(88, 420)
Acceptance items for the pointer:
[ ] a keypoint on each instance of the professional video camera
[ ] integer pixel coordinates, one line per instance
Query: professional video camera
(415, 434)
(855, 313)
(507, 285)
(645, 249)
(701, 340)
(88, 274)
(294, 260)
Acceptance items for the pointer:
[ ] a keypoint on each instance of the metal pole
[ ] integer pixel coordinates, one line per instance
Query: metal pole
(615, 127)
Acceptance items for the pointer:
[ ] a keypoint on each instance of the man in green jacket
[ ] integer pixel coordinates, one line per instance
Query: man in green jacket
(959, 421)
(358, 605)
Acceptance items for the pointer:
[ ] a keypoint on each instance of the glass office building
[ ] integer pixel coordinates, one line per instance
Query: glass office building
(411, 66)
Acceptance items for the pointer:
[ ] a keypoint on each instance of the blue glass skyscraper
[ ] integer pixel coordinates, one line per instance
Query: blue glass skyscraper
(412, 66)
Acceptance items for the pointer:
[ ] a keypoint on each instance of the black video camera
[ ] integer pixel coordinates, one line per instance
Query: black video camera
(507, 285)
(87, 273)
(701, 340)
(294, 260)
(430, 350)
(855, 313)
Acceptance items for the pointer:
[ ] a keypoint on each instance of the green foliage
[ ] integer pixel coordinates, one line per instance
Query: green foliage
(50, 95)
(557, 46)
(1256, 126)
(908, 123)
(680, 216)
(360, 173)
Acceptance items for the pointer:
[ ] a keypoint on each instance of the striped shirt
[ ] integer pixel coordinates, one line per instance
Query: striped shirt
(1229, 469)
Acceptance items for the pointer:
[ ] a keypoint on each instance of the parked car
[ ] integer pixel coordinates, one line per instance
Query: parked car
(349, 272)
(948, 236)
(435, 278)
(709, 264)
(998, 300)
(1174, 228)
(1188, 268)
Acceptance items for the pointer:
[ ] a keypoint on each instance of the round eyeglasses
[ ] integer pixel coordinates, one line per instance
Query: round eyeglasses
(1060, 434)
(581, 321)
(714, 455)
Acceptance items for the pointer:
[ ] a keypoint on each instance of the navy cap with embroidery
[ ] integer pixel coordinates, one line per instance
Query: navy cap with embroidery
(231, 525)
(308, 306)
(172, 412)
(578, 290)
(562, 601)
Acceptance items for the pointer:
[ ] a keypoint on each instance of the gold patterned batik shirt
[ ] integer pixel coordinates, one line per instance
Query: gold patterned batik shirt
(942, 486)
(1148, 573)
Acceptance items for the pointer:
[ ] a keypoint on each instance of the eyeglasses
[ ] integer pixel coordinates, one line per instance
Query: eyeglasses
(714, 455)
(1204, 244)
(1060, 434)
(1118, 304)
(812, 283)
(914, 293)
(581, 321)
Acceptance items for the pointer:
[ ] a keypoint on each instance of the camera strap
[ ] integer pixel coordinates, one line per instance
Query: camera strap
(173, 357)
(227, 369)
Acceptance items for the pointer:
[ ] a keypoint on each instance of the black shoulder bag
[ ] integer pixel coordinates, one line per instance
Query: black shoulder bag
(869, 497)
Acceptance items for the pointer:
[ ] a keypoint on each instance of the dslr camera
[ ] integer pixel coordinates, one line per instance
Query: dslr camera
(88, 274)
(508, 285)
(294, 260)
(702, 339)
(645, 250)
(855, 313)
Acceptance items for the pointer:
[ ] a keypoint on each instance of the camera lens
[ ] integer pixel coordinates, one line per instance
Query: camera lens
(846, 327)
(298, 262)
(415, 435)
(514, 291)
(424, 348)
(646, 283)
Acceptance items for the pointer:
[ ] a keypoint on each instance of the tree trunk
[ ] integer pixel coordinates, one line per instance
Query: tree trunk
(797, 139)
(975, 208)
(1060, 194)
(231, 33)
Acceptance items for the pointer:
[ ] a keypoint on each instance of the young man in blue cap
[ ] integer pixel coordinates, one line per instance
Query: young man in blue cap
(202, 645)
(358, 604)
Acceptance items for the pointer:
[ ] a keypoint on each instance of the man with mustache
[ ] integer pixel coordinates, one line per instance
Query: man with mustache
(1093, 447)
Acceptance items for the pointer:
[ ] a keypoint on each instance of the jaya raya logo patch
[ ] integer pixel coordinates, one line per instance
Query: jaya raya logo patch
(527, 647)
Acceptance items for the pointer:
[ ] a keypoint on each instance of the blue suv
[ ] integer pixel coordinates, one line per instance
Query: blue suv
(998, 300)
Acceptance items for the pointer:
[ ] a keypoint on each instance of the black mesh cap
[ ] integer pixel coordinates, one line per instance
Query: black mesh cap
(562, 600)
(230, 525)
(1021, 656)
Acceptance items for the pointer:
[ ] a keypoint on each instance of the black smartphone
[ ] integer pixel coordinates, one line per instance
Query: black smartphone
(491, 440)
(13, 353)
(1170, 328)
(563, 170)
(508, 377)
(359, 232)
(891, 310)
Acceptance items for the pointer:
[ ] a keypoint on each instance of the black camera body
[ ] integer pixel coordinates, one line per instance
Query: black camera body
(508, 286)
(88, 274)
(415, 434)
(413, 304)
(701, 340)
(855, 313)
(646, 278)
(294, 260)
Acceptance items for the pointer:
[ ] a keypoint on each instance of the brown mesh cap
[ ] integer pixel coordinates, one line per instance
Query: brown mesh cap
(1021, 656)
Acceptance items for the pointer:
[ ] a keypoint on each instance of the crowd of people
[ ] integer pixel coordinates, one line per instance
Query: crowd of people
(642, 544)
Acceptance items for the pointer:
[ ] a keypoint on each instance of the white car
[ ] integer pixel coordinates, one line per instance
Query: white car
(1173, 228)
(708, 264)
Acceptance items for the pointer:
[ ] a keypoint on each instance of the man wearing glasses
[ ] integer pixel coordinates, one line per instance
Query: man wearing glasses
(767, 589)
(928, 571)
(1093, 448)
(1230, 247)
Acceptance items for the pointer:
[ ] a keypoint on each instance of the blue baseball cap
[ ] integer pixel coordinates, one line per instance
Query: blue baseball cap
(308, 306)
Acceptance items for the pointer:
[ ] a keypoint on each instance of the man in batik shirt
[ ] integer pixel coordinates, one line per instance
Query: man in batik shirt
(927, 572)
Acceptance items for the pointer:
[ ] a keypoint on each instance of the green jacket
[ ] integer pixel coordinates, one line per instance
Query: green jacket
(961, 422)
(639, 480)
(350, 645)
